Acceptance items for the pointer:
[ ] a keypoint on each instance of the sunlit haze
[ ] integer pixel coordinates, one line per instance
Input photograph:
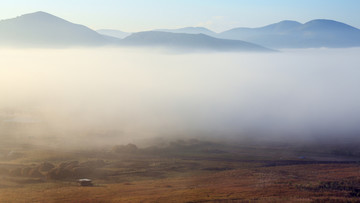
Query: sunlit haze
(136, 94)
(179, 101)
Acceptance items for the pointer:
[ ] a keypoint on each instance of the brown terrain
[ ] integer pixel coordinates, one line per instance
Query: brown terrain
(181, 171)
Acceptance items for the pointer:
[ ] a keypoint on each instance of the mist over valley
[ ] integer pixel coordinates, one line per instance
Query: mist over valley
(124, 95)
(180, 113)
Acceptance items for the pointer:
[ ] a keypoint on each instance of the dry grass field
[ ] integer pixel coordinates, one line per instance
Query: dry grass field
(183, 171)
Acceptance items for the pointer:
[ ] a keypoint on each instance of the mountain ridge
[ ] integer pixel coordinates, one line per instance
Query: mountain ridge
(190, 30)
(292, 34)
(189, 41)
(113, 33)
(41, 29)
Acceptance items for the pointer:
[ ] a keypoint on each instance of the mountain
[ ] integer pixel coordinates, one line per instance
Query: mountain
(188, 42)
(45, 30)
(292, 34)
(41, 29)
(113, 33)
(190, 30)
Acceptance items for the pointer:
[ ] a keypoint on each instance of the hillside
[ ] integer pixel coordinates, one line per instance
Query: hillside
(190, 30)
(292, 34)
(41, 29)
(188, 41)
(113, 33)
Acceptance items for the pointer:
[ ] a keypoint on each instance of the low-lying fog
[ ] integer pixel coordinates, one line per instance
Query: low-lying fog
(122, 95)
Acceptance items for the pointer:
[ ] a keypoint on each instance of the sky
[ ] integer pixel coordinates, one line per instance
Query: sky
(218, 15)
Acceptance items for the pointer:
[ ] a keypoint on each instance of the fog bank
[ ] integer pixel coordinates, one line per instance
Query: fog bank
(122, 95)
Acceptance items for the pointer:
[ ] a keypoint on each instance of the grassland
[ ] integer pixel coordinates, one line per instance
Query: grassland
(181, 171)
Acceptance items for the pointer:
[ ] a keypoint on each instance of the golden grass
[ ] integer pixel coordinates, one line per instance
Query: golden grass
(268, 184)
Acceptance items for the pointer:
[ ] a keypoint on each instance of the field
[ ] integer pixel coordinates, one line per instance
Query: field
(182, 171)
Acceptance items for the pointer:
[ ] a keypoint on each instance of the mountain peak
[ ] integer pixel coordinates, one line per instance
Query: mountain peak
(284, 25)
(327, 25)
(38, 14)
(289, 22)
(43, 29)
(291, 34)
(322, 21)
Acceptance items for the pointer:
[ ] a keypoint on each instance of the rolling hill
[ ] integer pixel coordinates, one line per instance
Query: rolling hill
(292, 34)
(113, 33)
(188, 42)
(41, 29)
(190, 30)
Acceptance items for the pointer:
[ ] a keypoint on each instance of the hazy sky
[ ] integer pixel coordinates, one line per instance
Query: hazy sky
(219, 15)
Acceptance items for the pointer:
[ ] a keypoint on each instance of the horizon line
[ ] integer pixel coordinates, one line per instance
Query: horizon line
(177, 27)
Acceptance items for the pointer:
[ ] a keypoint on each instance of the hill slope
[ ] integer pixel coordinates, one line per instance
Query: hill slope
(43, 29)
(188, 41)
(113, 33)
(292, 34)
(190, 30)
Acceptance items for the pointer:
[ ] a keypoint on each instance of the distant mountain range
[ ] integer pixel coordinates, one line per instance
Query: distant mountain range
(185, 41)
(185, 30)
(292, 34)
(41, 29)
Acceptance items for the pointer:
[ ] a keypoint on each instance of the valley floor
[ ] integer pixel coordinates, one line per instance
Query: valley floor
(198, 176)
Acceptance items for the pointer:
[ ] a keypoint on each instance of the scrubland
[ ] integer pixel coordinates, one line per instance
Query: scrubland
(180, 171)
